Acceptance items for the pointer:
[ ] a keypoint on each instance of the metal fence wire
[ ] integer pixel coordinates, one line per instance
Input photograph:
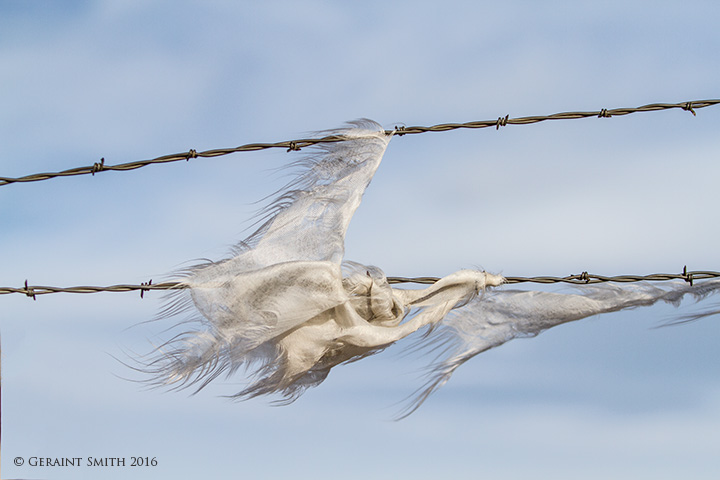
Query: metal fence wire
(583, 278)
(294, 145)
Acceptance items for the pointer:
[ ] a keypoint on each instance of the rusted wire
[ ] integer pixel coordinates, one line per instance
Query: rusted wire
(33, 291)
(586, 278)
(294, 145)
(583, 278)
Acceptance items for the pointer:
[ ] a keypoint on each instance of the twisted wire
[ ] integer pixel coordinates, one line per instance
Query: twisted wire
(295, 145)
(583, 278)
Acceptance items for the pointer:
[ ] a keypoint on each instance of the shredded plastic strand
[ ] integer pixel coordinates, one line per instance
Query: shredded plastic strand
(501, 316)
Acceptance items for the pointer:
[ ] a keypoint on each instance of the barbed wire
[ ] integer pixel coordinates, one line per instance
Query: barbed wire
(583, 278)
(295, 145)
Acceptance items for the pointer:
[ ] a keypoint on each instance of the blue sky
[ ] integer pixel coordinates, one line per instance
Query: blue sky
(127, 80)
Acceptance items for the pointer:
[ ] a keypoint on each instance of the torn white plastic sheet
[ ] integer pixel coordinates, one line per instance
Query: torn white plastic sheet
(285, 307)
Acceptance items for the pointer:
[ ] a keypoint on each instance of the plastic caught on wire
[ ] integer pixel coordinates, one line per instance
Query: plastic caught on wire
(284, 305)
(287, 308)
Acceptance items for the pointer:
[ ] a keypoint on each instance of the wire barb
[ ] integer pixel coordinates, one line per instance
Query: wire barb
(295, 145)
(143, 287)
(98, 167)
(688, 276)
(29, 291)
(688, 107)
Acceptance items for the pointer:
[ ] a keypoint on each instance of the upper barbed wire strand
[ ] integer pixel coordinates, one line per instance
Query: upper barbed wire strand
(294, 145)
(583, 278)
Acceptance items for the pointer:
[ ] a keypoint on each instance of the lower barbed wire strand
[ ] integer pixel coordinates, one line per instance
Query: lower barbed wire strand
(579, 279)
